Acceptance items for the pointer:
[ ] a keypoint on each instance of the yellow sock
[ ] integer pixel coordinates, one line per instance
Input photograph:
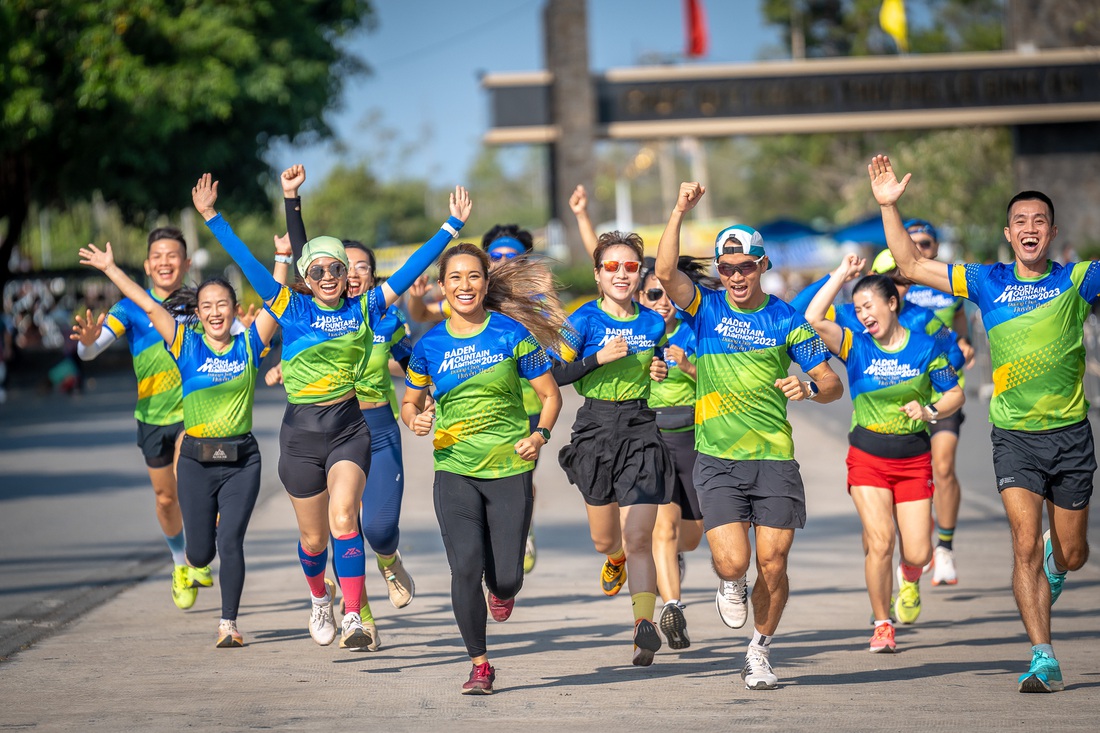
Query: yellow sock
(643, 604)
(618, 557)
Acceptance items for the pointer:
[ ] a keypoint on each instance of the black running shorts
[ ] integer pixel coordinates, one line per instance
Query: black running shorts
(765, 493)
(158, 443)
(316, 437)
(1055, 464)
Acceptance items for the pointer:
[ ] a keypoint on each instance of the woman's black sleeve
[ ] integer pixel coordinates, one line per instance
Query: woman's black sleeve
(569, 372)
(295, 227)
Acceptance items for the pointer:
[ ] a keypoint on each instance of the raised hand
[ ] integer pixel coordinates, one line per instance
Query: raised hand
(578, 201)
(884, 183)
(282, 246)
(461, 204)
(292, 179)
(850, 267)
(247, 317)
(613, 350)
(204, 195)
(420, 287)
(689, 196)
(87, 329)
(97, 258)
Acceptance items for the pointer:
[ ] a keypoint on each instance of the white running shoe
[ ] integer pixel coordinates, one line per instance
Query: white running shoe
(757, 672)
(353, 634)
(943, 567)
(322, 624)
(732, 602)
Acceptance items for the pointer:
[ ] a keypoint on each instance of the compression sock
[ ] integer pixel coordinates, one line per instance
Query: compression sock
(618, 557)
(944, 537)
(176, 546)
(911, 573)
(350, 563)
(643, 605)
(314, 568)
(385, 562)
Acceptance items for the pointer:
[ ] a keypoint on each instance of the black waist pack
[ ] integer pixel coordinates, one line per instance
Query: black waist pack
(215, 450)
(676, 417)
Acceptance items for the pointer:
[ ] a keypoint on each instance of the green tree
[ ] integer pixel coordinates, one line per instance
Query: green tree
(352, 203)
(135, 100)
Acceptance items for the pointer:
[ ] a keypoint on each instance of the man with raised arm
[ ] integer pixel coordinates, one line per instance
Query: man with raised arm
(1033, 311)
(746, 473)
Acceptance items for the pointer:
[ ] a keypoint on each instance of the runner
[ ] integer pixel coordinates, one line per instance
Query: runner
(219, 462)
(679, 526)
(324, 442)
(746, 473)
(1033, 311)
(615, 454)
(159, 409)
(484, 452)
(385, 484)
(892, 374)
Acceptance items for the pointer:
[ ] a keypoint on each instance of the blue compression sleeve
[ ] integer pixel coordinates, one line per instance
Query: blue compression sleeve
(423, 257)
(266, 286)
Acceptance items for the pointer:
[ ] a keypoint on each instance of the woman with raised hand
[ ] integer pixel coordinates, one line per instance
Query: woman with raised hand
(218, 473)
(485, 451)
(324, 441)
(893, 374)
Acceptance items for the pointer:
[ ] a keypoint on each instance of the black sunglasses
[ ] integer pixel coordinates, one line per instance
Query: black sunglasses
(336, 269)
(654, 294)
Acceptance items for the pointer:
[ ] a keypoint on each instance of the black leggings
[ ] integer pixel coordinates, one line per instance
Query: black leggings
(484, 523)
(207, 490)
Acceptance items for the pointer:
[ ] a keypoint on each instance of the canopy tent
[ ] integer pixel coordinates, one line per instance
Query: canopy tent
(864, 231)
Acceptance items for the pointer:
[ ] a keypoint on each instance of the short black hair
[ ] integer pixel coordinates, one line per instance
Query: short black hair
(508, 230)
(1030, 196)
(166, 233)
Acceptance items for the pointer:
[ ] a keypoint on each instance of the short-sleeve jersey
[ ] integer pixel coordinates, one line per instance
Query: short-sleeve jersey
(160, 398)
(739, 413)
(623, 379)
(391, 339)
(479, 408)
(942, 304)
(1034, 327)
(677, 388)
(218, 386)
(325, 350)
(881, 380)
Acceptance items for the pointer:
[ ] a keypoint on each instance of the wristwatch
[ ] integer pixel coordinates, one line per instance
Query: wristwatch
(933, 412)
(544, 432)
(811, 387)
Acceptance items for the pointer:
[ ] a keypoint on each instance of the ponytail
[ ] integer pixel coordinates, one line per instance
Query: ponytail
(184, 303)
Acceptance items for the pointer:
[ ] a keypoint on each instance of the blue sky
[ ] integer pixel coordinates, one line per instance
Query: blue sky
(426, 57)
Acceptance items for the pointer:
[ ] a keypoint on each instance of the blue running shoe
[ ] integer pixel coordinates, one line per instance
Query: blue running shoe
(1044, 676)
(1055, 579)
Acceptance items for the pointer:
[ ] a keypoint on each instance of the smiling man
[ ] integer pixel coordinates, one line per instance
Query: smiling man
(746, 474)
(1033, 310)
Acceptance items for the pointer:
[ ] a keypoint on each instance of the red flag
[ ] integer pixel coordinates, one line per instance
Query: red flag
(696, 28)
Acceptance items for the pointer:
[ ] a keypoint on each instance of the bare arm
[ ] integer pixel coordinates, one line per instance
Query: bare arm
(818, 309)
(948, 404)
(413, 414)
(104, 261)
(419, 311)
(887, 190)
(550, 396)
(578, 202)
(829, 387)
(680, 288)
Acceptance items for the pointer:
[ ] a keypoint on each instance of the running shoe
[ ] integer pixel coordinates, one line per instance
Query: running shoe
(183, 594)
(943, 567)
(732, 602)
(353, 635)
(613, 577)
(757, 672)
(675, 625)
(322, 624)
(1055, 579)
(1045, 675)
(883, 640)
(907, 604)
(646, 642)
(399, 583)
(530, 555)
(481, 680)
(228, 636)
(682, 565)
(372, 631)
(200, 577)
(499, 609)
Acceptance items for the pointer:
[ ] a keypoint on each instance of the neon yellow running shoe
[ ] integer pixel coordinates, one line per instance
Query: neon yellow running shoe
(907, 604)
(200, 577)
(182, 593)
(530, 555)
(613, 577)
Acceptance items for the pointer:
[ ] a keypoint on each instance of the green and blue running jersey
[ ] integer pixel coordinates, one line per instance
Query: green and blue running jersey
(1034, 327)
(325, 350)
(479, 406)
(391, 340)
(677, 389)
(881, 381)
(739, 413)
(160, 397)
(623, 379)
(218, 386)
(943, 305)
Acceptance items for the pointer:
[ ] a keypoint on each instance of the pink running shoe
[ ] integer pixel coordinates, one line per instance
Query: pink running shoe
(500, 610)
(883, 640)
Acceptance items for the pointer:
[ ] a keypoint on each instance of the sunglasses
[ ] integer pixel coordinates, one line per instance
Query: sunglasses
(923, 243)
(744, 269)
(654, 294)
(336, 269)
(631, 266)
(497, 256)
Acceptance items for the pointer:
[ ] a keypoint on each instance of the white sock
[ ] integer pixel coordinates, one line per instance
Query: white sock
(761, 641)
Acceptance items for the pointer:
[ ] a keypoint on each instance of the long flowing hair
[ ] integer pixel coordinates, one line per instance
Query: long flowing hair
(522, 288)
(185, 301)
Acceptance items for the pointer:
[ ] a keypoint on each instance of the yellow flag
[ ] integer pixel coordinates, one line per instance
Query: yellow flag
(892, 19)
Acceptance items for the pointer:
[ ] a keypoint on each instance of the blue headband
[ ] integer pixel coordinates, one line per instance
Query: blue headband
(922, 227)
(508, 242)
